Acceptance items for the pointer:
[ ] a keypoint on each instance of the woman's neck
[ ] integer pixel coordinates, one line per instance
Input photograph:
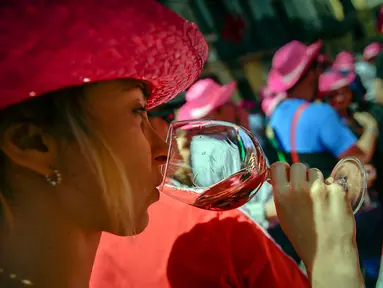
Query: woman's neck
(46, 248)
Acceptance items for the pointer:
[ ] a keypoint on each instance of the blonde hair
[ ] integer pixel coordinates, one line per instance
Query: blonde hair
(63, 114)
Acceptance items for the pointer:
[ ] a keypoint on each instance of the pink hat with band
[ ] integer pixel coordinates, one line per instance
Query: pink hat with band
(49, 45)
(270, 100)
(345, 60)
(333, 80)
(290, 63)
(204, 97)
(372, 51)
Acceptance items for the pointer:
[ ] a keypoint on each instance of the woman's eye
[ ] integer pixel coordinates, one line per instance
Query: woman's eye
(140, 111)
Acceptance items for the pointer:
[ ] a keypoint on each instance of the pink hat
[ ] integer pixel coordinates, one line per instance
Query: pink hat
(270, 103)
(289, 63)
(49, 45)
(345, 60)
(204, 97)
(333, 79)
(371, 51)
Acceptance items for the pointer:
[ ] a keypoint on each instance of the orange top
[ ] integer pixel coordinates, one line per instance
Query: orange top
(187, 247)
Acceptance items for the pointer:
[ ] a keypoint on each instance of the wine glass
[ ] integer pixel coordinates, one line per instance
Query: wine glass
(216, 165)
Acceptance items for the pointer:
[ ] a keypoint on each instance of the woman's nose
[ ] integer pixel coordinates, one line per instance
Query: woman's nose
(159, 148)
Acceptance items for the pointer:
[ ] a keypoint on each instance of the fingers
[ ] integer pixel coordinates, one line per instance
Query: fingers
(279, 175)
(339, 202)
(298, 177)
(313, 175)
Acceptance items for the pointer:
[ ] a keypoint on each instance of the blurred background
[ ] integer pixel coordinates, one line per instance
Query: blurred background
(244, 34)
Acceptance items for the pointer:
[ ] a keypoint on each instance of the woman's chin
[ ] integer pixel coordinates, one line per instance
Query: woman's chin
(129, 230)
(142, 223)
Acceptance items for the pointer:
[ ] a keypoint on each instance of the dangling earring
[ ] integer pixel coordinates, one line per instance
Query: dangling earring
(57, 176)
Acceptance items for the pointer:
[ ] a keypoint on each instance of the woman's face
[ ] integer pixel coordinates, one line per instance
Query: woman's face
(341, 99)
(160, 126)
(118, 113)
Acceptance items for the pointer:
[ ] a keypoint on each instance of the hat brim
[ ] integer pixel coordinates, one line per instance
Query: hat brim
(73, 43)
(202, 106)
(275, 81)
(326, 89)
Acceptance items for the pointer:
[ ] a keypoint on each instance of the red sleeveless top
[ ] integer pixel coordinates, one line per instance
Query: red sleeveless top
(187, 247)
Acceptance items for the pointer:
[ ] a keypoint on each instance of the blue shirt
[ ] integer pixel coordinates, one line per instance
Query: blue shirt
(319, 128)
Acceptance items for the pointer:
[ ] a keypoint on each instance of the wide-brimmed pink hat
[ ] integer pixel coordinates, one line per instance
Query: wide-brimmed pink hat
(48, 45)
(270, 100)
(372, 50)
(289, 64)
(204, 97)
(345, 60)
(333, 80)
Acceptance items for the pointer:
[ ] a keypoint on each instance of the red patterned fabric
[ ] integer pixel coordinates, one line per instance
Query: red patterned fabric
(47, 45)
(186, 247)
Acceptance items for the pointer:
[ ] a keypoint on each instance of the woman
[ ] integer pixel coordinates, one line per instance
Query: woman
(78, 155)
(81, 157)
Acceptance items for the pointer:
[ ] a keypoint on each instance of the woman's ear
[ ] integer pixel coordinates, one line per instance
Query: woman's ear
(27, 145)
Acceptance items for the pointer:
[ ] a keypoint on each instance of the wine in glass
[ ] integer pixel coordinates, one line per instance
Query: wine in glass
(216, 165)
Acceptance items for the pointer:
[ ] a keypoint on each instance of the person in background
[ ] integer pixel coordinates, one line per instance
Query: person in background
(345, 62)
(366, 69)
(207, 99)
(321, 136)
(199, 249)
(335, 86)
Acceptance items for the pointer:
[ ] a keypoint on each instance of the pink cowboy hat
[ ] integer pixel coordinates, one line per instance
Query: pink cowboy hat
(333, 80)
(345, 60)
(289, 63)
(204, 97)
(49, 45)
(371, 51)
(270, 100)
